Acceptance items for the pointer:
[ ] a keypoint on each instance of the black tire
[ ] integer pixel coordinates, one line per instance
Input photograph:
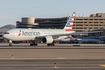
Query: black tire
(31, 44)
(35, 44)
(50, 44)
(10, 44)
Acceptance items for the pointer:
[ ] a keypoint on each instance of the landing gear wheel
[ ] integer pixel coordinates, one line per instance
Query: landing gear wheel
(33, 44)
(50, 44)
(10, 44)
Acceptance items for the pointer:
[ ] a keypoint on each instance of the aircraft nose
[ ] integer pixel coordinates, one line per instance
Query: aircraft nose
(5, 34)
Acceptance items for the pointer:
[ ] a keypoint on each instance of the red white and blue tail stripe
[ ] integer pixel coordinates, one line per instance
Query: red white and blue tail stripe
(69, 24)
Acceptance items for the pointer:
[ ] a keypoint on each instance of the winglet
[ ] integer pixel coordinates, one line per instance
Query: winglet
(69, 24)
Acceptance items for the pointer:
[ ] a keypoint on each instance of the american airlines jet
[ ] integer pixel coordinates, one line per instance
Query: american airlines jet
(45, 35)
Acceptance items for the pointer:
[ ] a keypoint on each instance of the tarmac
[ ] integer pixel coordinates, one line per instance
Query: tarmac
(52, 64)
(57, 46)
(58, 57)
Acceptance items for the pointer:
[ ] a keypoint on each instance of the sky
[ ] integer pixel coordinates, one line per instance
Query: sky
(13, 10)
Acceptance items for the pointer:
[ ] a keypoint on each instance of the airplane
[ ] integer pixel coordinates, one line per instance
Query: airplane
(89, 40)
(80, 40)
(67, 40)
(45, 35)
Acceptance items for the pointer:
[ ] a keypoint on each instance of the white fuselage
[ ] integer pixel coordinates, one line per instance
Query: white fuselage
(31, 34)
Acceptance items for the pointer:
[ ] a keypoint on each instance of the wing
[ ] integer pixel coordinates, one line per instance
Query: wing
(57, 35)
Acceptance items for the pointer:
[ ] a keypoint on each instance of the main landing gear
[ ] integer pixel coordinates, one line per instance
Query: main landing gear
(33, 44)
(52, 44)
(10, 42)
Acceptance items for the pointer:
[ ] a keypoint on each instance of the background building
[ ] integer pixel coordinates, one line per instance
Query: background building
(46, 23)
(94, 22)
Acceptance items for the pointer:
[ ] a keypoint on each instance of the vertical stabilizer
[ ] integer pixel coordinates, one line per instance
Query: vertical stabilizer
(69, 24)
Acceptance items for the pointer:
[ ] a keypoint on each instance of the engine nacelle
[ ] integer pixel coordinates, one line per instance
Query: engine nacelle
(47, 39)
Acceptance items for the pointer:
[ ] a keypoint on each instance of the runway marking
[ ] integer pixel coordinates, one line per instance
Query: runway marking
(56, 67)
(27, 65)
(102, 65)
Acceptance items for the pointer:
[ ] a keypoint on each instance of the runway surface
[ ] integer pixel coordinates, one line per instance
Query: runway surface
(57, 46)
(42, 57)
(61, 64)
(89, 51)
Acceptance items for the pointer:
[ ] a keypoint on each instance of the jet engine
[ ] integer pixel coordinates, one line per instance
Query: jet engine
(47, 39)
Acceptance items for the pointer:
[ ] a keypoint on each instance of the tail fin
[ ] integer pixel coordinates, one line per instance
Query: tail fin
(69, 24)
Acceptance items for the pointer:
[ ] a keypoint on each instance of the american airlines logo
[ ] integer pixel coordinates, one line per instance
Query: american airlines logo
(30, 33)
(19, 33)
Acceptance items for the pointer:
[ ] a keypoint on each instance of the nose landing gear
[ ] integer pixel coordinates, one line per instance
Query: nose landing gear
(10, 42)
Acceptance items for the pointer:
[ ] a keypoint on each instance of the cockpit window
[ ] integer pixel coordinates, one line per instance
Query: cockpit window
(6, 32)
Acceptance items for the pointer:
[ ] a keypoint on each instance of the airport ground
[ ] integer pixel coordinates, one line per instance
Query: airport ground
(66, 57)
